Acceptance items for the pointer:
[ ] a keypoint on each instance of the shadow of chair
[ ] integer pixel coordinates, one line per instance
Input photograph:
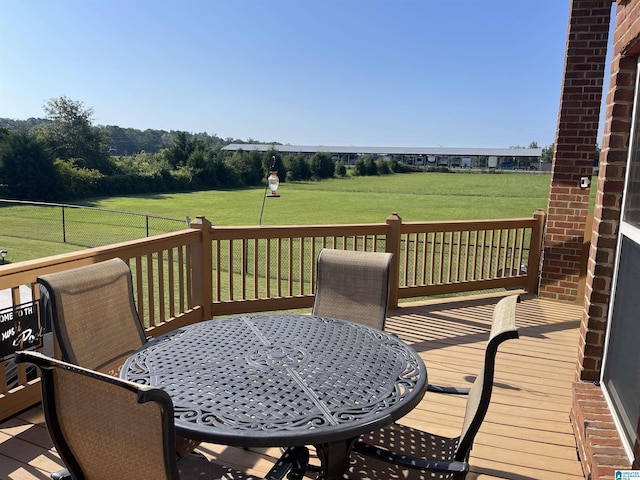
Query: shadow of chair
(105, 427)
(353, 285)
(403, 452)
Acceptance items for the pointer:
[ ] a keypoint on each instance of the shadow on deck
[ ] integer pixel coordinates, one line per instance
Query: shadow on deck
(525, 436)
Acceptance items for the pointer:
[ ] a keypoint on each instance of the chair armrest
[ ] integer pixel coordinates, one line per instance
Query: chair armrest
(447, 389)
(409, 461)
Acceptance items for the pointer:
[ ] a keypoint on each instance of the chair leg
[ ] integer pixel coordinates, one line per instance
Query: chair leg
(310, 467)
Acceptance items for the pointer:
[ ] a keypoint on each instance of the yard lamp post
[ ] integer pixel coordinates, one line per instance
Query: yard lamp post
(271, 190)
(3, 254)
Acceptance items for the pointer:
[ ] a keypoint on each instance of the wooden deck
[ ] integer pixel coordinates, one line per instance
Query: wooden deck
(525, 436)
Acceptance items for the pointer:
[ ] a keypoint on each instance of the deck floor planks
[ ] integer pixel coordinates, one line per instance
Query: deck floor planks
(525, 436)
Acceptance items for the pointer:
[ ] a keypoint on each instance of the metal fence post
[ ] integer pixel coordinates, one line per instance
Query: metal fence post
(64, 228)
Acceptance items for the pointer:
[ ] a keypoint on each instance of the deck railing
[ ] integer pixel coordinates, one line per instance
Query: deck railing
(204, 271)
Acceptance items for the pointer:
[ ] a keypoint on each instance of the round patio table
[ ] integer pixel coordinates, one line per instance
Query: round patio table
(282, 380)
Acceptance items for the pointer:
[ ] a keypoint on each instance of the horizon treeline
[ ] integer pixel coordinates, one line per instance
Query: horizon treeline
(130, 141)
(65, 157)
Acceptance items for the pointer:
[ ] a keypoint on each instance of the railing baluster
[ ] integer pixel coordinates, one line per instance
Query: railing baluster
(162, 314)
(474, 256)
(467, 256)
(415, 259)
(150, 290)
(290, 272)
(302, 240)
(521, 250)
(279, 267)
(171, 284)
(458, 248)
(181, 279)
(243, 275)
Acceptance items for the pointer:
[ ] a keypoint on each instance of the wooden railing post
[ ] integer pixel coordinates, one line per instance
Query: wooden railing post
(535, 251)
(394, 223)
(201, 268)
(586, 245)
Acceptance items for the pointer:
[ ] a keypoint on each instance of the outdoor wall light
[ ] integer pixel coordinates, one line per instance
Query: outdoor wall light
(585, 182)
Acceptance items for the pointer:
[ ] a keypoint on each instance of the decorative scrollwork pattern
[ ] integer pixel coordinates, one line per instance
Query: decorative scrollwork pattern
(276, 379)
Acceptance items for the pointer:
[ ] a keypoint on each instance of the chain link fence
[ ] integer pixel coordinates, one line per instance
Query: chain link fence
(80, 225)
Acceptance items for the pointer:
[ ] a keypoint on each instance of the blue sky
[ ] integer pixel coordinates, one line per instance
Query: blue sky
(416, 73)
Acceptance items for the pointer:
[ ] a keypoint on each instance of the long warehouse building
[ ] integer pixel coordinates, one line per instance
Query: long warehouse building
(420, 156)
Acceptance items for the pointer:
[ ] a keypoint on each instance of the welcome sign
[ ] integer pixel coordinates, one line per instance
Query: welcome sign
(20, 328)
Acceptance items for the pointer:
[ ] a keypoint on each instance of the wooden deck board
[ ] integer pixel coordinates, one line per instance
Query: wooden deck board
(525, 436)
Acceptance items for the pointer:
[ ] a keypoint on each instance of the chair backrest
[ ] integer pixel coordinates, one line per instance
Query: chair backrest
(353, 285)
(105, 427)
(503, 328)
(94, 314)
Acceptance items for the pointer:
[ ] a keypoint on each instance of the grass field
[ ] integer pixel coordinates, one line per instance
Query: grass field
(415, 197)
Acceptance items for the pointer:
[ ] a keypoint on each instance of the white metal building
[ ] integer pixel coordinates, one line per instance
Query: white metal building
(507, 158)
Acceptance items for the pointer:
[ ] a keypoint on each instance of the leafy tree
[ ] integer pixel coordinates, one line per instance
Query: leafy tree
(370, 165)
(77, 182)
(297, 167)
(198, 159)
(200, 154)
(322, 165)
(360, 168)
(247, 167)
(153, 140)
(70, 135)
(217, 174)
(27, 169)
(130, 141)
(340, 170)
(547, 153)
(394, 165)
(383, 167)
(179, 151)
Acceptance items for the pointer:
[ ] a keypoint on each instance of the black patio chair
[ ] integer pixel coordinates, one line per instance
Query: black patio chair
(95, 321)
(104, 427)
(399, 451)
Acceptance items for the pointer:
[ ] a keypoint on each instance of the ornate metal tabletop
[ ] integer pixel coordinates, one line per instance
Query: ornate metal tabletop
(280, 380)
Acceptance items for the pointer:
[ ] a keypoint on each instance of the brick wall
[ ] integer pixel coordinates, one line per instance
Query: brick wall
(576, 139)
(599, 447)
(597, 439)
(607, 215)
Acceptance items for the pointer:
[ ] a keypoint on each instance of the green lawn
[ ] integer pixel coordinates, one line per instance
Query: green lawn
(415, 197)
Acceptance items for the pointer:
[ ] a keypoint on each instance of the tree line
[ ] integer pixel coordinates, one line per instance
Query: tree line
(66, 157)
(128, 141)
